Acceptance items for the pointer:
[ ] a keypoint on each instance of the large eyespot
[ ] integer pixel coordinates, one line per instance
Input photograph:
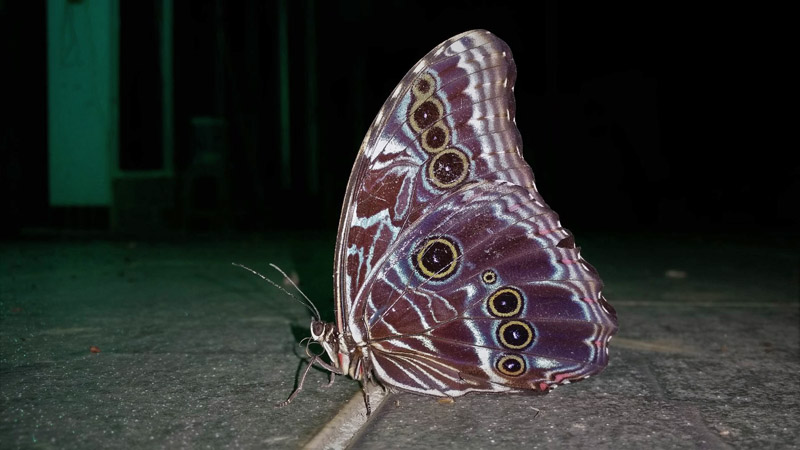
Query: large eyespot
(437, 258)
(448, 168)
(505, 302)
(489, 276)
(511, 365)
(435, 138)
(515, 334)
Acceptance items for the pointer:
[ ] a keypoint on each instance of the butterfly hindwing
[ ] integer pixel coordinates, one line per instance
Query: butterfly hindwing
(479, 283)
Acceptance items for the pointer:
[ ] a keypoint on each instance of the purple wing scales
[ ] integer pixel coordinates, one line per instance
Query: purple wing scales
(501, 229)
(474, 75)
(561, 353)
(443, 230)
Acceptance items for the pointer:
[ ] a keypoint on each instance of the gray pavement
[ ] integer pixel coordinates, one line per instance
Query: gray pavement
(194, 353)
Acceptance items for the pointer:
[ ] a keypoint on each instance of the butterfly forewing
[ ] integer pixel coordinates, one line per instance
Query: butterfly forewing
(461, 92)
(452, 274)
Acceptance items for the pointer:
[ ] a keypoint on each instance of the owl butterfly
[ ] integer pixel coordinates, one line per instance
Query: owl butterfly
(451, 273)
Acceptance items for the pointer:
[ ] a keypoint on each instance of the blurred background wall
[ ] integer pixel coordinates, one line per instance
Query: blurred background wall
(159, 116)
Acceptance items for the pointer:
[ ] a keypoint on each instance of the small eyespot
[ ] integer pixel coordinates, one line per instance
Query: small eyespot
(511, 365)
(505, 302)
(489, 276)
(435, 138)
(515, 334)
(424, 86)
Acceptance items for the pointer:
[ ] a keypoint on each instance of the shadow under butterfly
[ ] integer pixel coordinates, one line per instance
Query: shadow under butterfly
(452, 275)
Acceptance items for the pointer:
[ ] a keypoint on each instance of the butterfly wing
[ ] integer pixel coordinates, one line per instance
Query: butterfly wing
(460, 92)
(486, 293)
(449, 265)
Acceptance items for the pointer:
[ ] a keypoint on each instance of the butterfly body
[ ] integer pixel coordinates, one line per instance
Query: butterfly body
(452, 275)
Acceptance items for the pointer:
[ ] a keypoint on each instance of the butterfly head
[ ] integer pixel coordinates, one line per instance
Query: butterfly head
(326, 335)
(321, 331)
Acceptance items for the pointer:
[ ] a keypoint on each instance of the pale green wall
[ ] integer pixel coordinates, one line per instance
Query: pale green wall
(83, 106)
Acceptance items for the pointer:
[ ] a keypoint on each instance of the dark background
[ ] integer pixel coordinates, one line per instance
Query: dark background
(635, 116)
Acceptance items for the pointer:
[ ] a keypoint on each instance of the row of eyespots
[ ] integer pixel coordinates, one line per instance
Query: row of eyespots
(513, 335)
(426, 109)
(448, 166)
(505, 303)
(436, 258)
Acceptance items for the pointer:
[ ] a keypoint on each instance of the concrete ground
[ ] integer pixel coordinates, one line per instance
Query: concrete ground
(134, 344)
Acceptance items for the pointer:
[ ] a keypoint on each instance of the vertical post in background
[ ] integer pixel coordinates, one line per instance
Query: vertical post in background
(283, 85)
(144, 181)
(82, 101)
(312, 102)
(167, 133)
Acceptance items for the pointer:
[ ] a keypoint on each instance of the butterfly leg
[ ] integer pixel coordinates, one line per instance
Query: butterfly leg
(333, 378)
(299, 385)
(366, 399)
(314, 360)
(366, 367)
(332, 370)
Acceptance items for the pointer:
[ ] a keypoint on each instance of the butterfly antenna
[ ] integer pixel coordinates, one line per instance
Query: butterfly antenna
(286, 277)
(311, 308)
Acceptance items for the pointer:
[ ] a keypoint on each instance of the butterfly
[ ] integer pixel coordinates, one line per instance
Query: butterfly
(452, 275)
